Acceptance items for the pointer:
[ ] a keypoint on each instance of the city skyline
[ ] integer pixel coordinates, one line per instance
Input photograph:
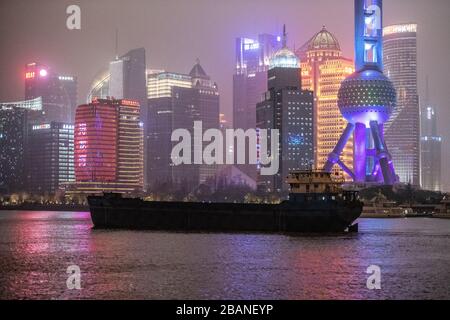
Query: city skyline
(209, 44)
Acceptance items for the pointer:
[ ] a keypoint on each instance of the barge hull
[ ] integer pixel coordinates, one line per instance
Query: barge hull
(216, 217)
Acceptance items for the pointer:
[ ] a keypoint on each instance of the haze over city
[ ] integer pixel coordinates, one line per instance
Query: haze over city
(176, 33)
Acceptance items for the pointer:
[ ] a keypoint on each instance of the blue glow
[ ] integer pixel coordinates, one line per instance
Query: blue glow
(296, 140)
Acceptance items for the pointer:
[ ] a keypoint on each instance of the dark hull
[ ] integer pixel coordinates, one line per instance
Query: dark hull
(316, 217)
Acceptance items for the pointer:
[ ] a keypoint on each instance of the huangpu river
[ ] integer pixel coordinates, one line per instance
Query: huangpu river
(37, 248)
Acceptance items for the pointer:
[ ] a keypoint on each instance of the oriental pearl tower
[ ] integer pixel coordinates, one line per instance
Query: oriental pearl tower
(367, 99)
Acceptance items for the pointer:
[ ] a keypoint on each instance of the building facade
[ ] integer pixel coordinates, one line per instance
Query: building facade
(58, 92)
(109, 147)
(323, 70)
(250, 82)
(14, 121)
(402, 132)
(289, 109)
(176, 101)
(49, 157)
(431, 150)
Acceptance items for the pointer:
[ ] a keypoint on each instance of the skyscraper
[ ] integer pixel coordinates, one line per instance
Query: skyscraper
(176, 101)
(109, 147)
(125, 79)
(289, 109)
(58, 92)
(250, 82)
(323, 70)
(431, 149)
(49, 157)
(14, 119)
(403, 129)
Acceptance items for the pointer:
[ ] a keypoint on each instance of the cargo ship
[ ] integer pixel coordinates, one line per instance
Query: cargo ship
(317, 204)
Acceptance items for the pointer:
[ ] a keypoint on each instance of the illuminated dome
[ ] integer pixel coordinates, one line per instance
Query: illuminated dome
(284, 58)
(324, 40)
(367, 95)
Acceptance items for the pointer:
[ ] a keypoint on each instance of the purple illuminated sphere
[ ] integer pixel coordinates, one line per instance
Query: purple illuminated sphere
(366, 96)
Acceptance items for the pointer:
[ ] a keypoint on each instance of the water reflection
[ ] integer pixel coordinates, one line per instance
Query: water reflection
(37, 247)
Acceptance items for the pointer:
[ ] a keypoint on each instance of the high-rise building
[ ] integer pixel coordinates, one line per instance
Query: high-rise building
(323, 70)
(431, 150)
(125, 79)
(250, 82)
(176, 101)
(58, 92)
(14, 119)
(289, 109)
(109, 147)
(403, 130)
(49, 157)
(250, 78)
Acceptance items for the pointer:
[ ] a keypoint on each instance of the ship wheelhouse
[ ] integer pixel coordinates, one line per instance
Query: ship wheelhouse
(316, 185)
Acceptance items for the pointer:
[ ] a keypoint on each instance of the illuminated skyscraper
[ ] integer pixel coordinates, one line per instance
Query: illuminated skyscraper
(14, 120)
(323, 70)
(58, 92)
(109, 147)
(403, 129)
(367, 100)
(49, 157)
(289, 109)
(431, 148)
(250, 82)
(176, 101)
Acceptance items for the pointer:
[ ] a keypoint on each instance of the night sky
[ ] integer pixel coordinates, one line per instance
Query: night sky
(176, 32)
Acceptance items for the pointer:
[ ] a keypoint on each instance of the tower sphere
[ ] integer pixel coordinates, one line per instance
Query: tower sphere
(367, 95)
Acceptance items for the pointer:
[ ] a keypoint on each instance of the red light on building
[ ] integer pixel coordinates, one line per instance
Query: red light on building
(96, 143)
(130, 103)
(29, 75)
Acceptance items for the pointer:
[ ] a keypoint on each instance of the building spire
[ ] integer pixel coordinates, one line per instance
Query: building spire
(117, 45)
(284, 36)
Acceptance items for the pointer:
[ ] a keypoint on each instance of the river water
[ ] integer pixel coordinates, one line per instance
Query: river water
(36, 248)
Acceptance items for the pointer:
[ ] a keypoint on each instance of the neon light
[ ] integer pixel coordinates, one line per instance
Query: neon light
(29, 75)
(400, 28)
(41, 126)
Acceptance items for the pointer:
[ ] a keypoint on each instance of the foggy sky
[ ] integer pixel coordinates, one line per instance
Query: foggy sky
(176, 32)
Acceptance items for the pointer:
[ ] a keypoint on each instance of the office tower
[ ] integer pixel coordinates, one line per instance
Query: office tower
(49, 157)
(14, 119)
(125, 79)
(403, 129)
(176, 101)
(250, 82)
(108, 147)
(323, 70)
(58, 92)
(431, 148)
(367, 100)
(289, 109)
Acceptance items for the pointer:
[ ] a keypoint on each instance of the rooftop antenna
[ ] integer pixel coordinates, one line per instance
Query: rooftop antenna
(117, 44)
(284, 36)
(427, 92)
